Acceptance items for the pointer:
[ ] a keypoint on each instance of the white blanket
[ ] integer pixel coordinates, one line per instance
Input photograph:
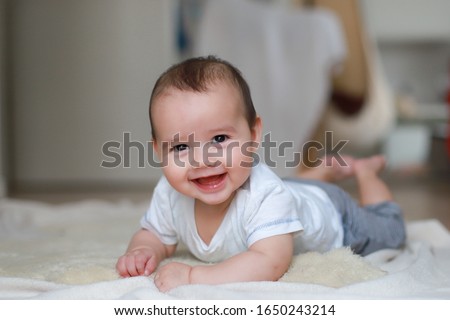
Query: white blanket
(69, 252)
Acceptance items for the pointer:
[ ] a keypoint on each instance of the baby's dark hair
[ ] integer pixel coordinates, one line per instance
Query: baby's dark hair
(197, 74)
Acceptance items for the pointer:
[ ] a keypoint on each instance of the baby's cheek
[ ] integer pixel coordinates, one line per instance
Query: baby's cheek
(241, 156)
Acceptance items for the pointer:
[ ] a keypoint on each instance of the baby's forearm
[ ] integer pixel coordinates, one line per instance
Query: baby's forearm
(255, 264)
(242, 268)
(266, 260)
(144, 239)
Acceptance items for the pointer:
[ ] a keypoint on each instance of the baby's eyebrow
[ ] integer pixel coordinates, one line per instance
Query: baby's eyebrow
(227, 129)
(167, 143)
(174, 139)
(178, 138)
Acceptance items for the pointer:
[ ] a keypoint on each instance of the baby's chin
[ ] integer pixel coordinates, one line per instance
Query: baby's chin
(216, 199)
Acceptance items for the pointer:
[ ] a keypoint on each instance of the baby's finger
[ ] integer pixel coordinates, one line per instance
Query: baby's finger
(150, 266)
(130, 264)
(163, 280)
(141, 262)
(159, 281)
(121, 267)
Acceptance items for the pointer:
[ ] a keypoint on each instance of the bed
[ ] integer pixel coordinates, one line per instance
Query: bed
(68, 251)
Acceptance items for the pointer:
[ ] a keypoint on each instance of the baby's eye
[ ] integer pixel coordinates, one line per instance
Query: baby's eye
(180, 147)
(220, 138)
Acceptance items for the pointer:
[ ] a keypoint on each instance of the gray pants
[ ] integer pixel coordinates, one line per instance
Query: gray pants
(367, 228)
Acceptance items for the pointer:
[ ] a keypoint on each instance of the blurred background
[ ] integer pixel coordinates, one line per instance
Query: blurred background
(77, 74)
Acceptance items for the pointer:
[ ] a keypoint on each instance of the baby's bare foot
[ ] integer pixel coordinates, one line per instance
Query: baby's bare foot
(371, 165)
(331, 169)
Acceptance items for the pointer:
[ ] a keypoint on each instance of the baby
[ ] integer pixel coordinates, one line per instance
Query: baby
(231, 210)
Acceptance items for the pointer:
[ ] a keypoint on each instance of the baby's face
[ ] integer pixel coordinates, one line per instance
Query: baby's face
(204, 141)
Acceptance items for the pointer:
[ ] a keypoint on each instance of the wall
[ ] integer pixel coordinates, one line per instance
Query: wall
(82, 72)
(420, 69)
(3, 190)
(414, 41)
(413, 37)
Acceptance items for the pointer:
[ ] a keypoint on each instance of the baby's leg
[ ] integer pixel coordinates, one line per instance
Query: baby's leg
(378, 223)
(372, 189)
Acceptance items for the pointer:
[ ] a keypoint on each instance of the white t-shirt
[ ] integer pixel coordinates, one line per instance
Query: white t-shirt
(264, 206)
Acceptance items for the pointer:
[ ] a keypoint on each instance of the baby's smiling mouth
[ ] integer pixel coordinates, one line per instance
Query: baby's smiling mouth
(210, 182)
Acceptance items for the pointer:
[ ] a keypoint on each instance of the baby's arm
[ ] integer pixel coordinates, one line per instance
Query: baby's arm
(143, 255)
(265, 260)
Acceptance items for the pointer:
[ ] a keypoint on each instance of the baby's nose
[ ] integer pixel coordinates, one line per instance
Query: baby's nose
(207, 155)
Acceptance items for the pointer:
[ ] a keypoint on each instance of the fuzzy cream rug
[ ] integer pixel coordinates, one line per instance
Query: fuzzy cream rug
(75, 246)
(79, 244)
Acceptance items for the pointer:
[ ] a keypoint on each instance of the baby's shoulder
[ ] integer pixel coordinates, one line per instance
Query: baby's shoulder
(264, 181)
(163, 190)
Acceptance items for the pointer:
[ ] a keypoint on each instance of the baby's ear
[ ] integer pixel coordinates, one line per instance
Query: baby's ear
(257, 130)
(155, 146)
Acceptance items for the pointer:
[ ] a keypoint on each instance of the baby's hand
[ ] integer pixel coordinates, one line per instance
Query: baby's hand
(172, 275)
(139, 262)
